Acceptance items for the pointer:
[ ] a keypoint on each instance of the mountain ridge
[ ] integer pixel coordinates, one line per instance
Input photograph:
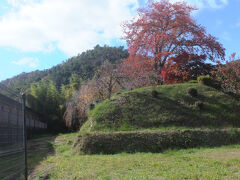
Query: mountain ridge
(83, 65)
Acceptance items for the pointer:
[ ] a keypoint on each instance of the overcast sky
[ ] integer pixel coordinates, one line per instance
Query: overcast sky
(37, 34)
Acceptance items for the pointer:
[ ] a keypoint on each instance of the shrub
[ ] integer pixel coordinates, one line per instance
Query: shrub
(153, 141)
(91, 106)
(229, 76)
(206, 80)
(209, 81)
(76, 112)
(97, 101)
(193, 81)
(193, 92)
(199, 105)
(154, 93)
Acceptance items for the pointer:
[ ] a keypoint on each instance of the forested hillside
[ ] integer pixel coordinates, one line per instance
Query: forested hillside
(82, 65)
(49, 91)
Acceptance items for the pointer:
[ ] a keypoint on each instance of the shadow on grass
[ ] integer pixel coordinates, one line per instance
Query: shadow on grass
(38, 150)
(12, 156)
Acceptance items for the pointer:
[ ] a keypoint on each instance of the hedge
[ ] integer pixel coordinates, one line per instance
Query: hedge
(154, 141)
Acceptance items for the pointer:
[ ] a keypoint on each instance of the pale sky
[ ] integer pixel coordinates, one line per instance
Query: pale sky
(38, 34)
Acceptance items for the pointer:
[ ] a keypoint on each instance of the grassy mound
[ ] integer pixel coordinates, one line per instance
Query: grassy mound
(154, 141)
(165, 106)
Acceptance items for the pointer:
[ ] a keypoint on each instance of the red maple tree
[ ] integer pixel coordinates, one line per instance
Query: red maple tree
(163, 30)
(136, 71)
(185, 67)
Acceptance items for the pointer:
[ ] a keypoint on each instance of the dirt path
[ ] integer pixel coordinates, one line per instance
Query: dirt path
(38, 150)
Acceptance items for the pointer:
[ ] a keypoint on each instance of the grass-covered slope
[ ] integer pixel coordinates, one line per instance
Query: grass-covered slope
(63, 163)
(170, 106)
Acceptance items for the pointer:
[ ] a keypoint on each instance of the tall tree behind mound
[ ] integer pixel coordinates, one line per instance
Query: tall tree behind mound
(163, 30)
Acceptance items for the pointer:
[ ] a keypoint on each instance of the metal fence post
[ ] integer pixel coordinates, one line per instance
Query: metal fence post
(24, 135)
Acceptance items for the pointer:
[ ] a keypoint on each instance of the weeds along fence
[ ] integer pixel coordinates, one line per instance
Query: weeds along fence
(12, 136)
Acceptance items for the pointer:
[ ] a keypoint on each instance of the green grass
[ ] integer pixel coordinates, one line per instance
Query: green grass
(73, 134)
(11, 164)
(138, 109)
(198, 163)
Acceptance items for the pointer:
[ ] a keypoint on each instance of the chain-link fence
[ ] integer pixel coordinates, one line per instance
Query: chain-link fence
(12, 164)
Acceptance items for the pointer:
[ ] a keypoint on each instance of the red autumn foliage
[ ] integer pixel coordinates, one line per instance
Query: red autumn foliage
(185, 67)
(137, 71)
(229, 75)
(163, 30)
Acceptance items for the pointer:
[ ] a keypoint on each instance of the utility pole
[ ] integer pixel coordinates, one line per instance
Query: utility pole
(24, 135)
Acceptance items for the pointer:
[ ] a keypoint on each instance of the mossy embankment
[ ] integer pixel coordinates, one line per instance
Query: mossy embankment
(165, 106)
(153, 119)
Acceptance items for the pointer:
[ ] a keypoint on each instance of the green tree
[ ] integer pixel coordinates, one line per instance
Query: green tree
(46, 99)
(69, 90)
